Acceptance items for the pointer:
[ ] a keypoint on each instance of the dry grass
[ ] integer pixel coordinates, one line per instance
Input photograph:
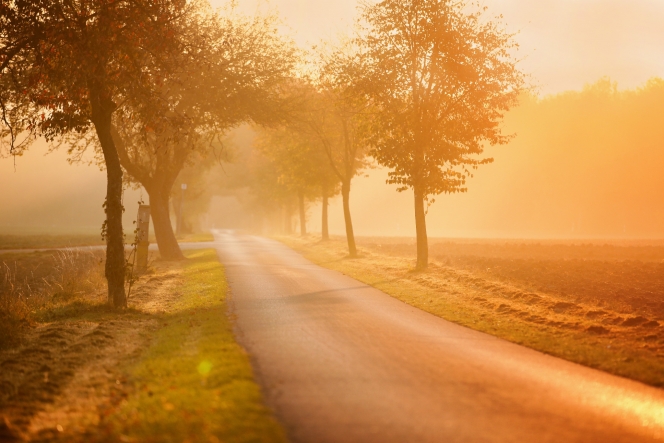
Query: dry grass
(65, 368)
(572, 301)
(33, 284)
(14, 308)
(166, 369)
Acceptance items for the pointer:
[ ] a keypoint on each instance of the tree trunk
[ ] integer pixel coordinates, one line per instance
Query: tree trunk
(158, 184)
(102, 110)
(350, 236)
(421, 230)
(163, 230)
(303, 215)
(324, 226)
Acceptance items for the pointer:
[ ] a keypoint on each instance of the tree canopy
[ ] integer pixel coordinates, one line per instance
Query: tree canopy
(68, 66)
(154, 85)
(441, 79)
(235, 76)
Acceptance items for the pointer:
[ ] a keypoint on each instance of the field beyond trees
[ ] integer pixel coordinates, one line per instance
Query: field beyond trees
(58, 241)
(595, 303)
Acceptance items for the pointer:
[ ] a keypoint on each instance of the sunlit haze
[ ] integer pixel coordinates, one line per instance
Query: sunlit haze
(564, 45)
(335, 221)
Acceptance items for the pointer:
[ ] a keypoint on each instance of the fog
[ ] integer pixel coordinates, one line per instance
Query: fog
(582, 165)
(603, 188)
(42, 193)
(564, 44)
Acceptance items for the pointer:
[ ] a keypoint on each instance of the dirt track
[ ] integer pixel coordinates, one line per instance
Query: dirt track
(340, 361)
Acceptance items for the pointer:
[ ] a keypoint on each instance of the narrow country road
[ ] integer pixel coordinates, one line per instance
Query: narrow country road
(340, 361)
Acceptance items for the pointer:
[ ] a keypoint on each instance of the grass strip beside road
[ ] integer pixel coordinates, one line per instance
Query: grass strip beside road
(464, 299)
(194, 383)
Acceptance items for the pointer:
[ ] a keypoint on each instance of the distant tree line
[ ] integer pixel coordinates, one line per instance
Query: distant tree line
(585, 163)
(154, 85)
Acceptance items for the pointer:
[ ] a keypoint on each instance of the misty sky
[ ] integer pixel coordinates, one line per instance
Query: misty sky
(565, 45)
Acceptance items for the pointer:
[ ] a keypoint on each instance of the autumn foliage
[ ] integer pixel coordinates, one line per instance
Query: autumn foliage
(442, 79)
(68, 66)
(154, 86)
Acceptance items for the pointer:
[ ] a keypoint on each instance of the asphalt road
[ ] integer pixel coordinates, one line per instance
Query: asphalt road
(340, 361)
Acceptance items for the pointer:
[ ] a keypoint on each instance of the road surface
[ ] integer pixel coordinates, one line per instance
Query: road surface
(340, 361)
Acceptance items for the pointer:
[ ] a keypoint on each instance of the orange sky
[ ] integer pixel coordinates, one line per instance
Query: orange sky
(565, 43)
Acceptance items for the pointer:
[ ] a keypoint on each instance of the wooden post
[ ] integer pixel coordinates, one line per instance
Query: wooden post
(143, 221)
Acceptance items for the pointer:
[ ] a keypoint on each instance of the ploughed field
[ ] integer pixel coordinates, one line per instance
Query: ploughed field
(596, 303)
(623, 282)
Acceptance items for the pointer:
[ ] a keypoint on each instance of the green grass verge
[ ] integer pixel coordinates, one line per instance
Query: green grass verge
(194, 383)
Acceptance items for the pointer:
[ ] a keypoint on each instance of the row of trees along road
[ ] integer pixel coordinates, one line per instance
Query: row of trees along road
(146, 82)
(421, 90)
(233, 78)
(324, 144)
(152, 85)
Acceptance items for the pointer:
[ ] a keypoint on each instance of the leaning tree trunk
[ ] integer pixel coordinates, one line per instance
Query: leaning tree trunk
(163, 230)
(324, 226)
(303, 215)
(102, 111)
(350, 236)
(421, 230)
